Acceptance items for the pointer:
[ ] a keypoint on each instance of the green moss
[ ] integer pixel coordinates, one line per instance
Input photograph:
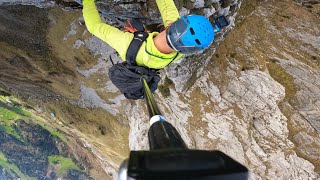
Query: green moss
(12, 168)
(11, 112)
(165, 91)
(9, 116)
(164, 88)
(54, 132)
(7, 120)
(50, 129)
(65, 164)
(16, 107)
(285, 79)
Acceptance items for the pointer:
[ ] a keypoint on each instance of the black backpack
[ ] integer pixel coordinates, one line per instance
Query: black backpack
(128, 79)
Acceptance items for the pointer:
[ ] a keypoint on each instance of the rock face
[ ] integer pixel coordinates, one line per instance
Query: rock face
(254, 94)
(257, 98)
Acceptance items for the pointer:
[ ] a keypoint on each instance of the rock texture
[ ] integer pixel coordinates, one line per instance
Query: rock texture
(257, 99)
(254, 94)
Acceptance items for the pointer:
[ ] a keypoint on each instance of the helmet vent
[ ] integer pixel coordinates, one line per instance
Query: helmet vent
(192, 31)
(198, 42)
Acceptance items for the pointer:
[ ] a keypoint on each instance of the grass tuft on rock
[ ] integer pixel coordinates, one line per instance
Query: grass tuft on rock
(64, 164)
(10, 113)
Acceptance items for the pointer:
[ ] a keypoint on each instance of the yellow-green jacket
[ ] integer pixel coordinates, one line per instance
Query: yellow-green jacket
(148, 55)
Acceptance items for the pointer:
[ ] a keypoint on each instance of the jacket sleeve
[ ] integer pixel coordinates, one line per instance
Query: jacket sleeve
(168, 11)
(116, 38)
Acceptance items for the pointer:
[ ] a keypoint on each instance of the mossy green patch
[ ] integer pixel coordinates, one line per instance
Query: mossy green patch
(113, 141)
(10, 115)
(285, 79)
(54, 132)
(65, 164)
(12, 168)
(11, 111)
(57, 134)
(14, 106)
(164, 88)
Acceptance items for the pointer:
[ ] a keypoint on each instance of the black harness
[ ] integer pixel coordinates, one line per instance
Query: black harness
(136, 43)
(127, 76)
(138, 39)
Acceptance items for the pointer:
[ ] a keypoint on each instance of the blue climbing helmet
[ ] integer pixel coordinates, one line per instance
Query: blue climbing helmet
(190, 34)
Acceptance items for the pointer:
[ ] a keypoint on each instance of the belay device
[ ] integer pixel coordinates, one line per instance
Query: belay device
(169, 157)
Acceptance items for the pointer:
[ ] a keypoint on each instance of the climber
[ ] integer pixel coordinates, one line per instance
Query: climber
(182, 35)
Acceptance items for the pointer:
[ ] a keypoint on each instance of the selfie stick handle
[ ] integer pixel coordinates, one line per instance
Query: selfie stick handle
(162, 135)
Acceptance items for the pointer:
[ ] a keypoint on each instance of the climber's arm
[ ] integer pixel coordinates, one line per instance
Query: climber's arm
(116, 38)
(168, 11)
